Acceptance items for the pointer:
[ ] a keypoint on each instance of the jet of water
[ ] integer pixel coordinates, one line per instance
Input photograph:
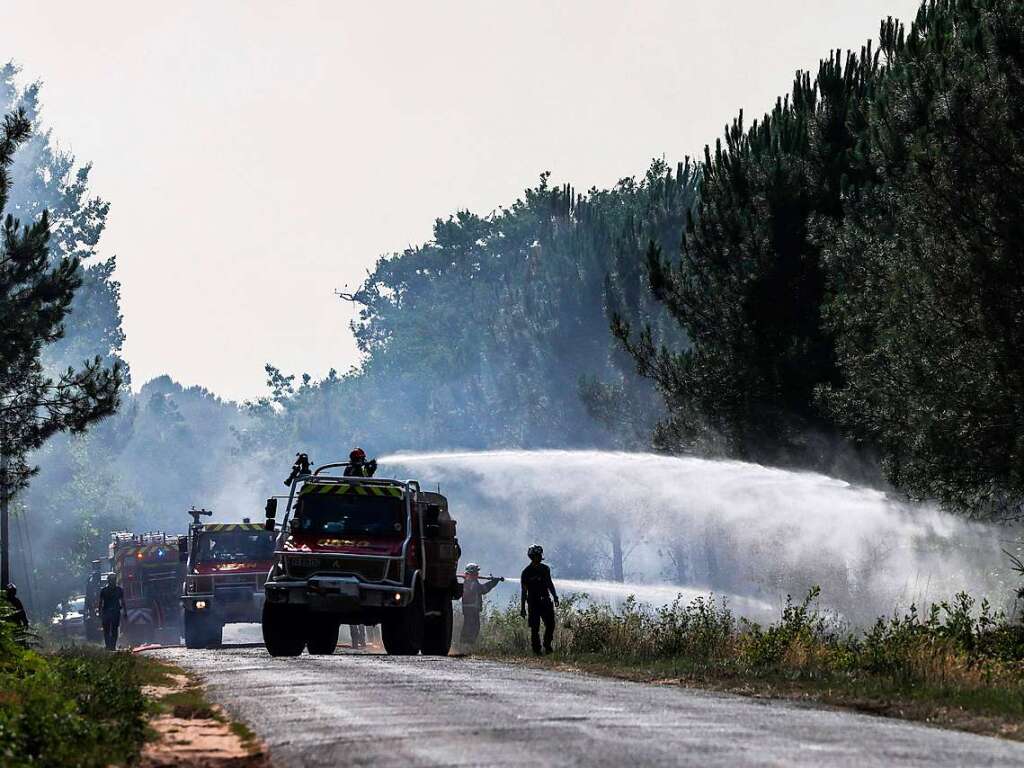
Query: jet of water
(726, 527)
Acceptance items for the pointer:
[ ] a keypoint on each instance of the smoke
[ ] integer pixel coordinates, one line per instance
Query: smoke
(754, 533)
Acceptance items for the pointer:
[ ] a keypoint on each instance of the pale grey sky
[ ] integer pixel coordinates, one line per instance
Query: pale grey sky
(258, 155)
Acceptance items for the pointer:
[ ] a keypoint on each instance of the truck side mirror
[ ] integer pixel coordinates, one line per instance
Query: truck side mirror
(271, 510)
(183, 549)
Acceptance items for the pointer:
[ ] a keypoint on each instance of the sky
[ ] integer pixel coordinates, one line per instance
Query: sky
(260, 155)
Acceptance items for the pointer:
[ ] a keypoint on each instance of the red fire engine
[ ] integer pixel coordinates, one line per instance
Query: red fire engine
(149, 571)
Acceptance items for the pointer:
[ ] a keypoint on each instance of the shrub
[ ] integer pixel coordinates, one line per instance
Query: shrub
(78, 708)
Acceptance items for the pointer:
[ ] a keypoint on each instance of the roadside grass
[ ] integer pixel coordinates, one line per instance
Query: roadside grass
(960, 666)
(78, 706)
(182, 697)
(245, 734)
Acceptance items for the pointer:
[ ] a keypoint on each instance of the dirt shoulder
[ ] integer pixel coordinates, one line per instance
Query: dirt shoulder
(188, 731)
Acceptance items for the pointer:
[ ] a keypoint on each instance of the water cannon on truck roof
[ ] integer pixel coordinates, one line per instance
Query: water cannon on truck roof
(360, 550)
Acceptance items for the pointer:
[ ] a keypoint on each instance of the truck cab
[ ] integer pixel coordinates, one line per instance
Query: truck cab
(361, 550)
(226, 565)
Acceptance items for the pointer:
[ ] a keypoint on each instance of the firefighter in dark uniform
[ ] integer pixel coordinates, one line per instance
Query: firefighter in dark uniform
(112, 607)
(538, 592)
(18, 616)
(358, 466)
(473, 591)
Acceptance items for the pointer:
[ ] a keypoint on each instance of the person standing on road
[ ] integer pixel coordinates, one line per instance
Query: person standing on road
(18, 616)
(358, 634)
(473, 591)
(538, 591)
(112, 607)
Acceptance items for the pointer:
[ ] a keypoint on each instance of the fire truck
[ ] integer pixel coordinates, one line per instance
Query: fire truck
(226, 565)
(148, 569)
(360, 550)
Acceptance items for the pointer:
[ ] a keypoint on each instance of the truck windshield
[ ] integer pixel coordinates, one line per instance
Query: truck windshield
(235, 546)
(351, 514)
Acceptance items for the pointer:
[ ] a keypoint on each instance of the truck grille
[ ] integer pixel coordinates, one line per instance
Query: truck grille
(368, 570)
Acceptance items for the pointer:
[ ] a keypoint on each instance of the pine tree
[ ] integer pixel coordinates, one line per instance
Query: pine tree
(35, 296)
(748, 287)
(928, 266)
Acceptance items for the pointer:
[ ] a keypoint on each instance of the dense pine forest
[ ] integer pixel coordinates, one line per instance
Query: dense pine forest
(837, 285)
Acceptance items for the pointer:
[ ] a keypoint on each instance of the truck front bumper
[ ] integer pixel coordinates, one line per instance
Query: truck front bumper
(244, 610)
(337, 593)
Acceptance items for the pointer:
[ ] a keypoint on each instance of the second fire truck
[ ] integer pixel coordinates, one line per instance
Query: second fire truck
(226, 565)
(148, 569)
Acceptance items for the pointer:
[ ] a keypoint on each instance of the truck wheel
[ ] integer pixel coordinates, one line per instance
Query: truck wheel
(199, 630)
(322, 635)
(283, 629)
(194, 630)
(437, 632)
(402, 633)
(216, 636)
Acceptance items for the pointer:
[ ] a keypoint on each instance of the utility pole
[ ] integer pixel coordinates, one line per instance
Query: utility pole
(5, 533)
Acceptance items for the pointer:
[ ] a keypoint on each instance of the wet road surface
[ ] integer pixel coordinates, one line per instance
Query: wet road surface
(362, 709)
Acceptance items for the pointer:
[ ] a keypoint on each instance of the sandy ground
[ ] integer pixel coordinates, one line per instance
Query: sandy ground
(195, 741)
(373, 710)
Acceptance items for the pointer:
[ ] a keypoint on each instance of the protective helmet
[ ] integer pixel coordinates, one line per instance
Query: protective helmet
(357, 454)
(472, 568)
(11, 590)
(535, 551)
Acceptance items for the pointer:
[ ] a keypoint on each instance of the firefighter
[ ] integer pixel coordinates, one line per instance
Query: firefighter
(112, 608)
(537, 594)
(473, 591)
(358, 466)
(358, 634)
(18, 616)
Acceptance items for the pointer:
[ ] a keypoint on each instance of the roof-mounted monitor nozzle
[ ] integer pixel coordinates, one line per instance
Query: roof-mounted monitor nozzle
(300, 467)
(197, 513)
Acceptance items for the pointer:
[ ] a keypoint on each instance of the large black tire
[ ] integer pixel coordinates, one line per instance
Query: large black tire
(322, 635)
(201, 630)
(284, 629)
(437, 632)
(402, 631)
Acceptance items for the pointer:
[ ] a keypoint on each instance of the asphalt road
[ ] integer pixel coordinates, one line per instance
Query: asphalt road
(361, 709)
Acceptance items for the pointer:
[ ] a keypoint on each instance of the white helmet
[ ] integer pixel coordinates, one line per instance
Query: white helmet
(472, 568)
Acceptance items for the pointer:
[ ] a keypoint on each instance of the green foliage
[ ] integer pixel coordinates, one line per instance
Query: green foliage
(959, 650)
(79, 707)
(35, 297)
(487, 335)
(749, 286)
(851, 280)
(927, 280)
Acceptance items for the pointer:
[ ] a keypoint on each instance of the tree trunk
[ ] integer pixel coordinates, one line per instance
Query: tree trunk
(617, 570)
(5, 535)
